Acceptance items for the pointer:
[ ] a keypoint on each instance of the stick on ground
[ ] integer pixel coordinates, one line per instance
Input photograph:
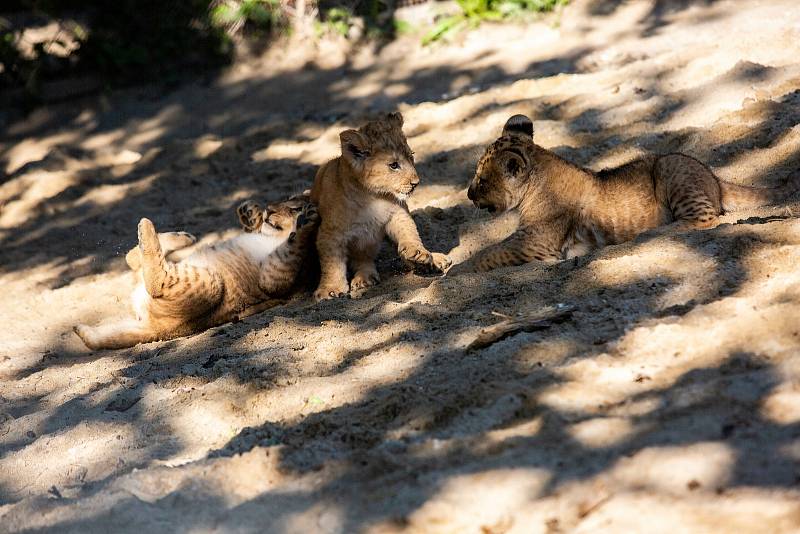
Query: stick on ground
(531, 322)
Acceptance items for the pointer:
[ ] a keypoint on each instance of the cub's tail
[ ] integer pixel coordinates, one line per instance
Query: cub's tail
(739, 197)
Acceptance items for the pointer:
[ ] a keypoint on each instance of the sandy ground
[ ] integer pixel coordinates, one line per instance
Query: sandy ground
(669, 402)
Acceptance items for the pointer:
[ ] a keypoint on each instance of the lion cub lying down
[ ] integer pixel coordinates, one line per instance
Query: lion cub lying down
(565, 210)
(216, 284)
(361, 197)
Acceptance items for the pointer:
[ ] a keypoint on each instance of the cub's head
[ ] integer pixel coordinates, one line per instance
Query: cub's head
(501, 177)
(287, 216)
(379, 155)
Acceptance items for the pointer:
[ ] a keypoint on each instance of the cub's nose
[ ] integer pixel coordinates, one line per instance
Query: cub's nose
(471, 193)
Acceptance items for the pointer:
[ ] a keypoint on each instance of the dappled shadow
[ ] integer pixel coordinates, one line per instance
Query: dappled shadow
(371, 406)
(654, 18)
(498, 412)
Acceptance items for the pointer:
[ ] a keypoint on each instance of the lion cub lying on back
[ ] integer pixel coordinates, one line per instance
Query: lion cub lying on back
(361, 197)
(565, 210)
(216, 284)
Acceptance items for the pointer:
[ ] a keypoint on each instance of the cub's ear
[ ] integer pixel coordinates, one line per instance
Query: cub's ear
(514, 164)
(519, 124)
(395, 118)
(354, 145)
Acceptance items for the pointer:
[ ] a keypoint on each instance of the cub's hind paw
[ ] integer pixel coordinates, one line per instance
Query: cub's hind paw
(148, 238)
(172, 241)
(251, 216)
(85, 333)
(363, 280)
(186, 238)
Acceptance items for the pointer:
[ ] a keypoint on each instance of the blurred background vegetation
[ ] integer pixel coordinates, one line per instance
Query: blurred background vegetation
(52, 48)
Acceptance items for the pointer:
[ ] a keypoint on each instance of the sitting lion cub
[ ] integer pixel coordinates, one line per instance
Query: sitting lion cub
(361, 197)
(216, 284)
(565, 210)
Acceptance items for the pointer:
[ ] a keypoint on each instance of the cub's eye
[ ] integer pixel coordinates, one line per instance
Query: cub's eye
(395, 166)
(295, 210)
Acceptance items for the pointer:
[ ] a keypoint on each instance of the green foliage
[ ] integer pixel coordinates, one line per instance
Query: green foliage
(473, 12)
(403, 27)
(335, 20)
(259, 15)
(373, 18)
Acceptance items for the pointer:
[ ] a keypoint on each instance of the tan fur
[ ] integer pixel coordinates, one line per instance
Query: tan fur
(361, 197)
(216, 284)
(566, 211)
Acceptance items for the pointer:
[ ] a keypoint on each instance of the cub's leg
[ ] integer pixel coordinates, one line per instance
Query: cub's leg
(541, 243)
(251, 216)
(332, 251)
(333, 266)
(178, 290)
(116, 335)
(402, 230)
(279, 271)
(170, 242)
(362, 261)
(692, 191)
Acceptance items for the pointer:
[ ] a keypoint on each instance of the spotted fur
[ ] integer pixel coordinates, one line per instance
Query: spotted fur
(566, 210)
(216, 284)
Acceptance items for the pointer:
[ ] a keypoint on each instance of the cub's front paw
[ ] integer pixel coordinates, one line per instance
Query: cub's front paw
(415, 254)
(309, 217)
(251, 216)
(330, 292)
(440, 261)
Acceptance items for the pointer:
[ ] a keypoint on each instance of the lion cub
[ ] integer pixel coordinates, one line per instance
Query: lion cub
(361, 197)
(214, 285)
(565, 210)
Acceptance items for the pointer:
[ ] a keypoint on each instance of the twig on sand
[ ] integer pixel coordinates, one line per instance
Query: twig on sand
(529, 322)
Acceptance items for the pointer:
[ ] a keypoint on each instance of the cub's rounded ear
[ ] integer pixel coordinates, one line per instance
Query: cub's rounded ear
(395, 118)
(514, 164)
(519, 124)
(354, 144)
